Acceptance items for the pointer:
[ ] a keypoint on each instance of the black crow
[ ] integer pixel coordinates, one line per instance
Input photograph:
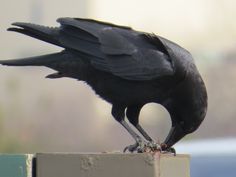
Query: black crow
(128, 69)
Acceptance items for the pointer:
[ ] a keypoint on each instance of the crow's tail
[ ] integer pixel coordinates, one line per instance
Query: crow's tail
(65, 62)
(43, 60)
(44, 33)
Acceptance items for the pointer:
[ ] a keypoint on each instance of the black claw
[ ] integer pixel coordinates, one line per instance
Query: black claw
(139, 147)
(131, 148)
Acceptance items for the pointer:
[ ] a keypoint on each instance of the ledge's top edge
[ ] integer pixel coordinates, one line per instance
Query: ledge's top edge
(113, 153)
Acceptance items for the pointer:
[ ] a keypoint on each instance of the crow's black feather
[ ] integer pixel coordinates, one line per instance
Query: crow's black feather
(127, 68)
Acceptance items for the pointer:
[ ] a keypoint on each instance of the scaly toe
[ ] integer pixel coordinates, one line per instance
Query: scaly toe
(131, 148)
(137, 147)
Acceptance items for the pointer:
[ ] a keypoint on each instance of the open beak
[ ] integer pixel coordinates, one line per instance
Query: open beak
(176, 133)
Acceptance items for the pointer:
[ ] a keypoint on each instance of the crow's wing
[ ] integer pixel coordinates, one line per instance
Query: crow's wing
(111, 48)
(122, 51)
(129, 61)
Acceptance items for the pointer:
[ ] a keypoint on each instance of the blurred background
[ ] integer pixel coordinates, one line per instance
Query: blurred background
(42, 115)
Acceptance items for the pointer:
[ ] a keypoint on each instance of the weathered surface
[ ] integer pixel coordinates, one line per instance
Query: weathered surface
(112, 165)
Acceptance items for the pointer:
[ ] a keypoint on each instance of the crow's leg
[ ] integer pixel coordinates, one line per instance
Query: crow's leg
(143, 132)
(139, 145)
(133, 116)
(118, 112)
(152, 145)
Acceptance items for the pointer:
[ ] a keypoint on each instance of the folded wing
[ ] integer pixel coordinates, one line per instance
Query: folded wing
(111, 48)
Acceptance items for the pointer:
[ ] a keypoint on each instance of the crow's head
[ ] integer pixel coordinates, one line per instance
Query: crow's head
(187, 107)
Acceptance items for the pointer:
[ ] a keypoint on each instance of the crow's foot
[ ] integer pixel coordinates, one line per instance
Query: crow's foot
(141, 146)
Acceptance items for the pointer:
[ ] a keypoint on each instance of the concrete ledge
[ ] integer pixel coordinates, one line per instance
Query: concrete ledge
(112, 165)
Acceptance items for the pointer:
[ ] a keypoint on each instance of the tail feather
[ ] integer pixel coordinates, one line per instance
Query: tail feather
(43, 60)
(67, 37)
(44, 33)
(66, 63)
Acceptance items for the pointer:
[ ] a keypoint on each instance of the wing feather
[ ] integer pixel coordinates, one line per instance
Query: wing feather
(119, 50)
(116, 49)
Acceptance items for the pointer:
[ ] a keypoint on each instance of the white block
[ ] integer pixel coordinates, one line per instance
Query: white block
(112, 165)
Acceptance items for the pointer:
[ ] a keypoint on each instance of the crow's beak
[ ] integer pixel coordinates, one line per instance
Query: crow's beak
(176, 133)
